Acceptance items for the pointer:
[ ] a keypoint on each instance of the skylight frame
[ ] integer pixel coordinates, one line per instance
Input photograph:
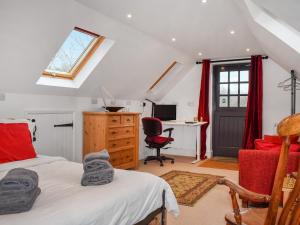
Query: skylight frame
(82, 60)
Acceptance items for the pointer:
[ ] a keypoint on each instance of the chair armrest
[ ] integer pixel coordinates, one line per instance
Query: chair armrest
(244, 193)
(169, 130)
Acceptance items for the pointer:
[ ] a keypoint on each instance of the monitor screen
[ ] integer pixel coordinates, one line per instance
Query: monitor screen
(165, 112)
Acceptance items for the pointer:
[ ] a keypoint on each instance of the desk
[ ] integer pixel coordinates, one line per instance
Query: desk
(196, 125)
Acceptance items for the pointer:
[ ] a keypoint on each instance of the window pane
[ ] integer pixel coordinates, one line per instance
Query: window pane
(234, 76)
(244, 75)
(223, 101)
(223, 89)
(223, 77)
(244, 88)
(70, 52)
(234, 89)
(233, 101)
(243, 101)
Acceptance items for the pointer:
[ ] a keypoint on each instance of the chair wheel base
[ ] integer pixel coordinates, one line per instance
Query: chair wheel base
(159, 158)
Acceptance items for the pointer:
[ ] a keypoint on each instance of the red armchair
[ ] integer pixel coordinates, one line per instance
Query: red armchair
(257, 167)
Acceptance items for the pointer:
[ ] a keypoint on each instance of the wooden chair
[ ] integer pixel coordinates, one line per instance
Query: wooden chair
(274, 214)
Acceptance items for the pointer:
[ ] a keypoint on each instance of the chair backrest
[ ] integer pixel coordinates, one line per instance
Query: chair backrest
(152, 126)
(291, 212)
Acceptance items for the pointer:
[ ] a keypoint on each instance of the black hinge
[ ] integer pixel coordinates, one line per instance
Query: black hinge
(64, 125)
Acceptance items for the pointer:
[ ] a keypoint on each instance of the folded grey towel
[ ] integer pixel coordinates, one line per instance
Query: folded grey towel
(18, 203)
(98, 177)
(19, 179)
(96, 155)
(96, 164)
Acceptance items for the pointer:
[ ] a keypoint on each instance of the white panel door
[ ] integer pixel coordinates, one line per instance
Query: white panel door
(51, 140)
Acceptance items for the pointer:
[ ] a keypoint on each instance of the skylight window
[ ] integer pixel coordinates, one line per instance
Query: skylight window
(73, 54)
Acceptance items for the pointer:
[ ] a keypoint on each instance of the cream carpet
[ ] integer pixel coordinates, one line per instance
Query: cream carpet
(211, 208)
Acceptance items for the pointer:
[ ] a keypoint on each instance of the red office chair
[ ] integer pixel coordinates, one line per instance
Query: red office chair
(153, 130)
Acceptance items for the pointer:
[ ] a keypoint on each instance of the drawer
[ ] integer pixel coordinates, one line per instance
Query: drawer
(120, 132)
(114, 120)
(121, 157)
(120, 143)
(127, 119)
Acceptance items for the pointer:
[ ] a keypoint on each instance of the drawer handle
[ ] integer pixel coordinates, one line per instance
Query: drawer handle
(127, 131)
(114, 132)
(128, 142)
(128, 120)
(114, 145)
(114, 120)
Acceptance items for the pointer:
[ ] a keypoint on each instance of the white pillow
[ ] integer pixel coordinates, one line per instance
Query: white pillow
(31, 125)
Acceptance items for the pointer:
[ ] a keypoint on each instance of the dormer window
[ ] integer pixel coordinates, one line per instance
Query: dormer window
(74, 53)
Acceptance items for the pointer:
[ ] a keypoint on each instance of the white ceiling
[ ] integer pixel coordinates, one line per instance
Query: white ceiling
(285, 10)
(143, 49)
(30, 36)
(197, 27)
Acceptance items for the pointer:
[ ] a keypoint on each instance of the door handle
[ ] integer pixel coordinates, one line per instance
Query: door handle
(64, 125)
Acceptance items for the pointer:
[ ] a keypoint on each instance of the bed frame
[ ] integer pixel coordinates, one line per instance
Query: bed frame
(158, 216)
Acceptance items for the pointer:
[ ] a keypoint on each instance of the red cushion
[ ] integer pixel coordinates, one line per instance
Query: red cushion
(159, 139)
(295, 148)
(267, 146)
(264, 145)
(275, 139)
(15, 142)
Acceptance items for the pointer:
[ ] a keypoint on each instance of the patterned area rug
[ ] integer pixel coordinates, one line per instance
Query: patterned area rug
(189, 187)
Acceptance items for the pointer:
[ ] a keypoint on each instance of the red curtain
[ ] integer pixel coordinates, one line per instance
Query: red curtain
(203, 109)
(253, 122)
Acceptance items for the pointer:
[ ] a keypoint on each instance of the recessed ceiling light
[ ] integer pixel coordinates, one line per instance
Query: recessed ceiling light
(199, 53)
(204, 1)
(173, 39)
(248, 49)
(129, 15)
(232, 32)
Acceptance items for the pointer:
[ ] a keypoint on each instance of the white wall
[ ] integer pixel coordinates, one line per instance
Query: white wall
(16, 105)
(276, 102)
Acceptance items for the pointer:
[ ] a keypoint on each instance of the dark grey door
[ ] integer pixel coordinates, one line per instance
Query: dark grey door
(230, 94)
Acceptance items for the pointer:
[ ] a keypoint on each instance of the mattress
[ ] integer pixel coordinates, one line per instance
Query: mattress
(63, 201)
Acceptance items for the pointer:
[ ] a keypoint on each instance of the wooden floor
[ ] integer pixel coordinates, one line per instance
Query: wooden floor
(212, 207)
(221, 163)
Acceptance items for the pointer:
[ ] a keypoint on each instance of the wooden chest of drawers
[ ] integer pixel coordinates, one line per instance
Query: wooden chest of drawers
(117, 132)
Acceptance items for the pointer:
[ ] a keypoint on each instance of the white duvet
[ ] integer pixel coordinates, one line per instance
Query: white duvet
(63, 201)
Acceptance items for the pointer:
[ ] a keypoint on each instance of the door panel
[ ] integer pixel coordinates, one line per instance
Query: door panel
(54, 141)
(229, 107)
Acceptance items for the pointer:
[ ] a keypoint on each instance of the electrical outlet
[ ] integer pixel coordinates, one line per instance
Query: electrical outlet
(2, 97)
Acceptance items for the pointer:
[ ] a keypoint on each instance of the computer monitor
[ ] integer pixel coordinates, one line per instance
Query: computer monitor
(165, 112)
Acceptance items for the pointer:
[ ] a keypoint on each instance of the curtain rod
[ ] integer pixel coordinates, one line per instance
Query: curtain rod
(230, 60)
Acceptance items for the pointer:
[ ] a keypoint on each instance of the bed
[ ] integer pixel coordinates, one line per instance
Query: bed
(132, 198)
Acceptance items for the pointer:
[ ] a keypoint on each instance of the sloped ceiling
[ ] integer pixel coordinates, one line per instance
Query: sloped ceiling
(197, 27)
(277, 12)
(33, 30)
(287, 10)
